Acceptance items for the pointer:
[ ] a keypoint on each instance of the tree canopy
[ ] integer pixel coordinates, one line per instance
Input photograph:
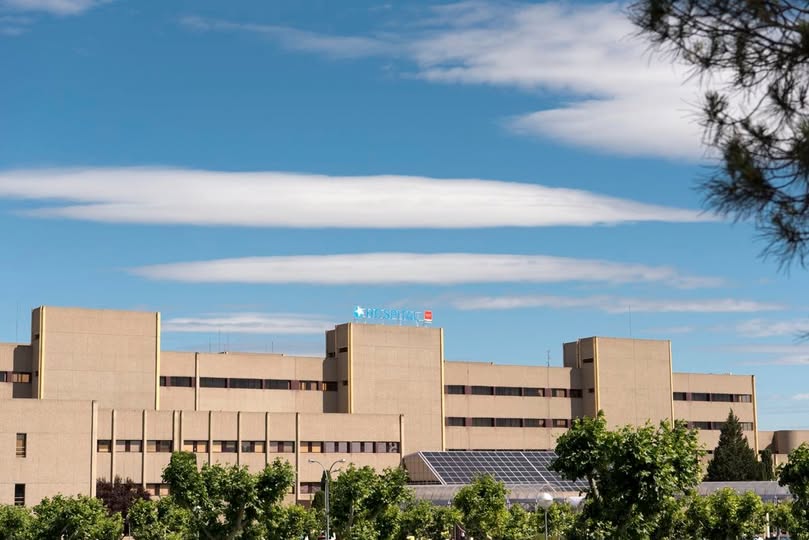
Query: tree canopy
(733, 459)
(755, 55)
(795, 475)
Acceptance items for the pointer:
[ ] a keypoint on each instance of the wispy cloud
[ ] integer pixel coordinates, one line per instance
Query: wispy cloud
(618, 98)
(613, 304)
(14, 25)
(283, 199)
(773, 354)
(768, 328)
(249, 323)
(801, 397)
(54, 7)
(438, 268)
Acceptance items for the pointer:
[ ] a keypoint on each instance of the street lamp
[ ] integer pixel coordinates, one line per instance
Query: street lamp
(545, 500)
(328, 481)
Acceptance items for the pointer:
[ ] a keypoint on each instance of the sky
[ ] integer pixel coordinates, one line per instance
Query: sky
(256, 170)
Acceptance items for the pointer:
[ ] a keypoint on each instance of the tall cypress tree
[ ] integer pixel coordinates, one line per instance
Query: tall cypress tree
(733, 459)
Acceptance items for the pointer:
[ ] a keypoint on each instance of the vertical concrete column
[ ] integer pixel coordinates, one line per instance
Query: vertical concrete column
(93, 447)
(157, 363)
(210, 436)
(755, 413)
(401, 437)
(239, 438)
(176, 438)
(182, 430)
(297, 455)
(196, 381)
(443, 405)
(145, 451)
(113, 444)
(266, 438)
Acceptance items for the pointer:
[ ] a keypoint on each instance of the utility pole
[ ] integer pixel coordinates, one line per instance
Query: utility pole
(328, 481)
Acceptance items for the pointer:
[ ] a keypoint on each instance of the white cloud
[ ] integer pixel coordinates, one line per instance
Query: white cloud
(774, 354)
(249, 323)
(618, 98)
(283, 199)
(801, 397)
(438, 268)
(55, 7)
(766, 328)
(612, 304)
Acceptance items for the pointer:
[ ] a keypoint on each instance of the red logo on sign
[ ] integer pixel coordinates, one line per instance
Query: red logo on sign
(428, 316)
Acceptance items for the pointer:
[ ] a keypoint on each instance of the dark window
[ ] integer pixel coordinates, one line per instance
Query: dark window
(19, 494)
(3, 376)
(725, 398)
(558, 392)
(482, 390)
(680, 396)
(700, 396)
(329, 386)
(454, 389)
(533, 422)
(700, 425)
(507, 391)
(587, 361)
(746, 426)
(163, 380)
(533, 392)
(131, 445)
(330, 355)
(561, 422)
(343, 349)
(508, 422)
(253, 447)
(744, 398)
(275, 384)
(213, 382)
(225, 447)
(183, 382)
(591, 390)
(345, 383)
(104, 446)
(483, 422)
(392, 447)
(310, 487)
(22, 444)
(281, 447)
(20, 377)
(309, 385)
(455, 421)
(575, 393)
(254, 384)
(158, 446)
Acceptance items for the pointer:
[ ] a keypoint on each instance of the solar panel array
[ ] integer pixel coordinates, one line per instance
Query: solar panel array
(509, 467)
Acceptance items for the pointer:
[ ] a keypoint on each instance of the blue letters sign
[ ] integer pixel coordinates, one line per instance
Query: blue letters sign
(398, 315)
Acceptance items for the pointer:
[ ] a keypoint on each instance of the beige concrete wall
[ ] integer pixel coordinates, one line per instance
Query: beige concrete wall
(58, 455)
(15, 357)
(397, 370)
(105, 355)
(633, 380)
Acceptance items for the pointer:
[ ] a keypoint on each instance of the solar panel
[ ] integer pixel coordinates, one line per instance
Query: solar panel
(509, 467)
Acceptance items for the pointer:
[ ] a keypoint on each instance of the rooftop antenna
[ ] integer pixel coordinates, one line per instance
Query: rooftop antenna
(548, 357)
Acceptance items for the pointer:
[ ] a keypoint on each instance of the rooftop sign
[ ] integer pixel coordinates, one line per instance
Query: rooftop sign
(398, 315)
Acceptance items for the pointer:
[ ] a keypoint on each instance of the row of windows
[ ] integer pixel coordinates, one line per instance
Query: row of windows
(249, 447)
(746, 426)
(350, 447)
(459, 421)
(251, 384)
(15, 376)
(460, 389)
(705, 396)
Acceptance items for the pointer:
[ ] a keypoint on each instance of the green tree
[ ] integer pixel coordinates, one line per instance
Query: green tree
(424, 521)
(561, 518)
(482, 505)
(363, 502)
(15, 523)
(119, 495)
(767, 464)
(731, 516)
(633, 474)
(292, 522)
(758, 122)
(159, 520)
(795, 475)
(733, 459)
(782, 520)
(520, 525)
(75, 518)
(226, 501)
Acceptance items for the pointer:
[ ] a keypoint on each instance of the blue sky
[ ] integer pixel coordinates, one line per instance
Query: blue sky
(254, 170)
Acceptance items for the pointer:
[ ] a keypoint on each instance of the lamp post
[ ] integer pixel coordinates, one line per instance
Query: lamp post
(328, 481)
(545, 500)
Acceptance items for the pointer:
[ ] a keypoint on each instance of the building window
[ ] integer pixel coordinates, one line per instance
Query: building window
(587, 361)
(213, 382)
(330, 354)
(507, 391)
(533, 392)
(558, 392)
(253, 447)
(455, 421)
(19, 494)
(158, 446)
(345, 382)
(533, 422)
(329, 386)
(276, 384)
(224, 447)
(482, 390)
(20, 377)
(700, 425)
(561, 422)
(700, 396)
(342, 349)
(744, 398)
(591, 390)
(680, 396)
(282, 447)
(180, 381)
(309, 385)
(129, 445)
(3, 376)
(508, 422)
(483, 422)
(343, 447)
(308, 488)
(254, 384)
(458, 389)
(157, 490)
(104, 446)
(22, 444)
(199, 447)
(746, 426)
(311, 447)
(574, 393)
(725, 398)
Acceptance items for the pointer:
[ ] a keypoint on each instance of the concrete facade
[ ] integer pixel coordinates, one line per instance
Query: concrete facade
(94, 396)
